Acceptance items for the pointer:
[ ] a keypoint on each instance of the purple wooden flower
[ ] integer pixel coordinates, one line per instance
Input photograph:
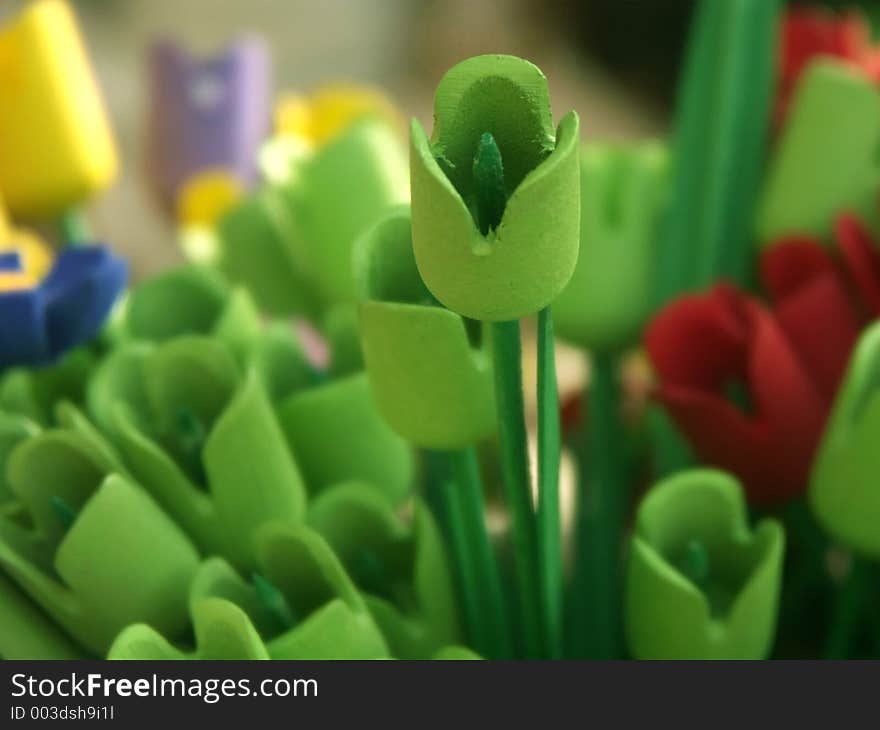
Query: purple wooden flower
(206, 114)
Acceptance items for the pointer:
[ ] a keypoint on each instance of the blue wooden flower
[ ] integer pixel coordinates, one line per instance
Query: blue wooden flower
(40, 321)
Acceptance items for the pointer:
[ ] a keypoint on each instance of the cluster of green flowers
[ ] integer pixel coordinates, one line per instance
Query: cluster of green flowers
(194, 472)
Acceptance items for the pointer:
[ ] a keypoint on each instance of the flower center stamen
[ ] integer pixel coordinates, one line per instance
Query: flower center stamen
(489, 191)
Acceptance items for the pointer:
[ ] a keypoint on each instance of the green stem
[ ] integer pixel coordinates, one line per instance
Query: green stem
(848, 611)
(596, 625)
(549, 531)
(507, 362)
(481, 577)
(75, 228)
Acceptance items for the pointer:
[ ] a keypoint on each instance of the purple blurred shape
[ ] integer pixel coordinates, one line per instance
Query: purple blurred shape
(206, 113)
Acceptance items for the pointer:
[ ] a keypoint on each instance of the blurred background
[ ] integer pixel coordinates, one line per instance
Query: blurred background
(614, 61)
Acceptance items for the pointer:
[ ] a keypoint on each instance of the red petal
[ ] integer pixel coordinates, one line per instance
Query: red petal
(792, 262)
(861, 260)
(697, 340)
(822, 327)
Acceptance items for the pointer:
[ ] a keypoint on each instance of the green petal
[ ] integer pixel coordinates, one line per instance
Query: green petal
(336, 434)
(184, 300)
(431, 385)
(844, 492)
(825, 160)
(413, 604)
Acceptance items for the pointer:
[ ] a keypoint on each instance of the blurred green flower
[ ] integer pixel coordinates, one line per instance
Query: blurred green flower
(401, 570)
(844, 489)
(290, 244)
(431, 382)
(223, 632)
(201, 437)
(85, 542)
(611, 293)
(300, 599)
(495, 194)
(700, 584)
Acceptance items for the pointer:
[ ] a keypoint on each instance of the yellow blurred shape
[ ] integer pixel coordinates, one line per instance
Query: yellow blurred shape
(56, 147)
(329, 110)
(205, 197)
(36, 255)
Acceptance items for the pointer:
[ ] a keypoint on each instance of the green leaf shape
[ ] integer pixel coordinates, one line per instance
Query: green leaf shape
(341, 330)
(342, 189)
(120, 561)
(722, 127)
(826, 158)
(185, 300)
(732, 614)
(336, 434)
(624, 189)
(223, 632)
(261, 249)
(401, 569)
(225, 485)
(26, 632)
(334, 622)
(522, 265)
(33, 392)
(844, 491)
(432, 385)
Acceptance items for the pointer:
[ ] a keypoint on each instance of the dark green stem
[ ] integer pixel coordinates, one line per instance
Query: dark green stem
(480, 574)
(513, 443)
(849, 610)
(75, 228)
(549, 530)
(602, 495)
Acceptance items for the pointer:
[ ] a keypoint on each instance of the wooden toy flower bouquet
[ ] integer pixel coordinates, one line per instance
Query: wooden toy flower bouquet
(313, 441)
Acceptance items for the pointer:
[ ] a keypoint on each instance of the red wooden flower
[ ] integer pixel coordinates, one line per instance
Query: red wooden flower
(787, 361)
(710, 348)
(807, 33)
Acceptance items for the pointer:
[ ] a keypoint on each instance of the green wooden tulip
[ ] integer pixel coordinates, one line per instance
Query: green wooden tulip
(825, 160)
(214, 308)
(700, 584)
(345, 186)
(195, 300)
(290, 243)
(611, 294)
(201, 438)
(844, 488)
(301, 600)
(517, 260)
(260, 248)
(223, 632)
(401, 570)
(336, 434)
(431, 383)
(89, 545)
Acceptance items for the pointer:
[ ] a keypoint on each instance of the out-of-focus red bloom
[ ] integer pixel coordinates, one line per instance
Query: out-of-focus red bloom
(807, 33)
(709, 348)
(786, 361)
